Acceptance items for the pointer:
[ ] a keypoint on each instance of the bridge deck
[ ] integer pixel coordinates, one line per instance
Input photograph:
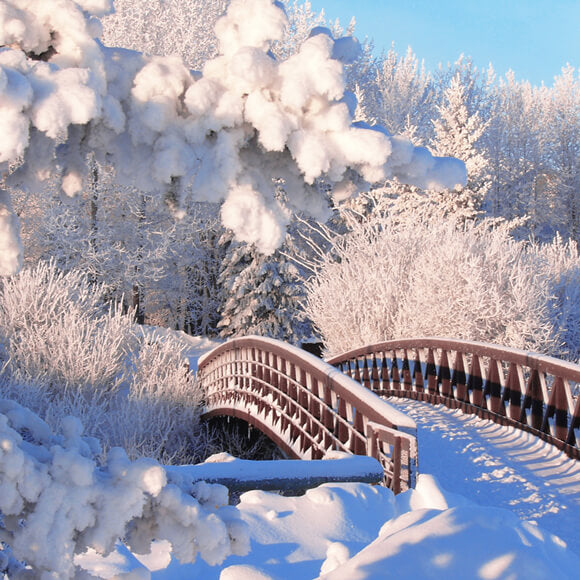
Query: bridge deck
(499, 466)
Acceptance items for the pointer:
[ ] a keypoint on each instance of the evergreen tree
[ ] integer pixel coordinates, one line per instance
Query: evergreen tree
(458, 133)
(262, 294)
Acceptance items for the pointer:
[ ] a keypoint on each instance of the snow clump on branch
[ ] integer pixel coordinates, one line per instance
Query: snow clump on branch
(236, 131)
(56, 503)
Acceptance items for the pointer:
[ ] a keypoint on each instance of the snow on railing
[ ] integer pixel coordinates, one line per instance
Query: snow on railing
(526, 390)
(306, 406)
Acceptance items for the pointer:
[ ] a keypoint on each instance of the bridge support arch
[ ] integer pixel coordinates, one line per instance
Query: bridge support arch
(306, 406)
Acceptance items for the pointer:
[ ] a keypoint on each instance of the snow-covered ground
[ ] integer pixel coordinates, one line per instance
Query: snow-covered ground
(492, 502)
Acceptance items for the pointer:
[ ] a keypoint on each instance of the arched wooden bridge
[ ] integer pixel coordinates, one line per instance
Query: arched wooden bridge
(309, 407)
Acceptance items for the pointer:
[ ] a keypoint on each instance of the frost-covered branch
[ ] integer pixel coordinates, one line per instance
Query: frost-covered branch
(225, 132)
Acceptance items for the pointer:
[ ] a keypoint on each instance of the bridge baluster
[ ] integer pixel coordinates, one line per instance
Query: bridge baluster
(406, 370)
(327, 418)
(493, 386)
(418, 373)
(558, 407)
(357, 376)
(459, 380)
(385, 378)
(475, 383)
(375, 379)
(395, 376)
(366, 380)
(275, 371)
(360, 447)
(571, 438)
(342, 428)
(396, 455)
(513, 391)
(313, 400)
(431, 373)
(533, 400)
(444, 376)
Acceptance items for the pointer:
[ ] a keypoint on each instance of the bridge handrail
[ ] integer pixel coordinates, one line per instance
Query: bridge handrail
(514, 387)
(304, 404)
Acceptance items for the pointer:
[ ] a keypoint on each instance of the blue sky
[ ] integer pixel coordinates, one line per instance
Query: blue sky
(534, 38)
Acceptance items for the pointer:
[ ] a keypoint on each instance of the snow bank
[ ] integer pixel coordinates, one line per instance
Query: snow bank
(354, 531)
(458, 541)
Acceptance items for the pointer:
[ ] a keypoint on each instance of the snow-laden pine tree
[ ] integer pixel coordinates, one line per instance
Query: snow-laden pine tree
(458, 133)
(262, 295)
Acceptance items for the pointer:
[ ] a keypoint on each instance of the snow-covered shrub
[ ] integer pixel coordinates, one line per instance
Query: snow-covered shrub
(55, 502)
(160, 414)
(562, 261)
(56, 330)
(404, 277)
(65, 353)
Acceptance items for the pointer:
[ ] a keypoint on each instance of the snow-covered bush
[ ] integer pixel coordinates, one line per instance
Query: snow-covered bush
(414, 276)
(65, 353)
(562, 262)
(55, 502)
(160, 415)
(56, 330)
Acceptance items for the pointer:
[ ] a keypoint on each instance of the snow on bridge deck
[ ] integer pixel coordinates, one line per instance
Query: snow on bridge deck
(498, 466)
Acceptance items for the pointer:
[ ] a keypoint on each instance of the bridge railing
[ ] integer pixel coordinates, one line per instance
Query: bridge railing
(306, 406)
(529, 391)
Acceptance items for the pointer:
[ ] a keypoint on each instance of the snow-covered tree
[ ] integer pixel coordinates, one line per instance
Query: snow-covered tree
(166, 27)
(564, 149)
(402, 94)
(301, 20)
(226, 134)
(458, 132)
(419, 276)
(262, 295)
(512, 143)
